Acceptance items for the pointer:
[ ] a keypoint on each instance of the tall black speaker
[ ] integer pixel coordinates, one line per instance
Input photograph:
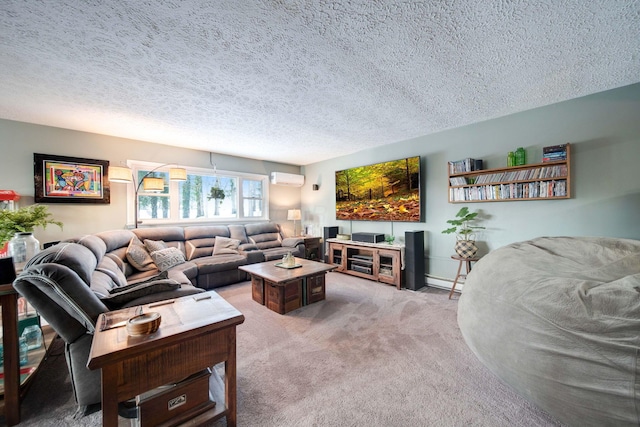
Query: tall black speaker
(414, 260)
(327, 233)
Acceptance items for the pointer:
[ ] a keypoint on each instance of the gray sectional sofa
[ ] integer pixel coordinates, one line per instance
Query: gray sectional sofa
(73, 282)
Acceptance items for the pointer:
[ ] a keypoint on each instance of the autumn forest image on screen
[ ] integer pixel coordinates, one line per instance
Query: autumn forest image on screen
(388, 191)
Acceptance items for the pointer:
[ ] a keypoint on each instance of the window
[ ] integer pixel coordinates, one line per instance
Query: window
(206, 196)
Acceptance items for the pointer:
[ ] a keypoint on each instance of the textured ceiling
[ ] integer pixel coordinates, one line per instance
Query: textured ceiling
(300, 81)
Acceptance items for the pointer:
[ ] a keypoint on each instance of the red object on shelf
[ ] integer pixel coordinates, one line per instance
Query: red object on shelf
(6, 195)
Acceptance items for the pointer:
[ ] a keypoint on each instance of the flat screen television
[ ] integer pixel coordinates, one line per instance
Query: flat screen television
(387, 191)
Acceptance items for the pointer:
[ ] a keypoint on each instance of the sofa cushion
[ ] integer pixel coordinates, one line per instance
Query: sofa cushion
(266, 240)
(122, 265)
(166, 258)
(197, 248)
(115, 239)
(224, 245)
(219, 263)
(78, 258)
(138, 256)
(94, 244)
(238, 232)
(107, 277)
(264, 235)
(199, 240)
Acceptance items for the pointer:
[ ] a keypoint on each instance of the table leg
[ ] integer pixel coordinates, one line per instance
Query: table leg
(109, 397)
(455, 281)
(11, 358)
(230, 381)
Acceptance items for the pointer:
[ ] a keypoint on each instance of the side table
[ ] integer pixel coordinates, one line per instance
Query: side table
(312, 248)
(196, 332)
(461, 261)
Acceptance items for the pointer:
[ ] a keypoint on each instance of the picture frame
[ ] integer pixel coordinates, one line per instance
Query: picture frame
(63, 179)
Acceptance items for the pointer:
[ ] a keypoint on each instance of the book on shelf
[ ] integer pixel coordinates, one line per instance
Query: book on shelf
(458, 180)
(514, 190)
(554, 153)
(555, 148)
(465, 165)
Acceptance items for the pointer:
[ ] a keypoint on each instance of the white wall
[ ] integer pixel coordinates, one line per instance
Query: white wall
(604, 130)
(18, 142)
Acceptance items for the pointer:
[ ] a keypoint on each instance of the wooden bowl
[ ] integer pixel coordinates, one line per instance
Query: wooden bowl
(144, 324)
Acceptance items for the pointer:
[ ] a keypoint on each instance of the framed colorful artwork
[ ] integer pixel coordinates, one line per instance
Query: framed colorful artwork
(60, 179)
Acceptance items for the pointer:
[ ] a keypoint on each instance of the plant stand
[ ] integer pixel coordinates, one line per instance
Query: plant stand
(461, 261)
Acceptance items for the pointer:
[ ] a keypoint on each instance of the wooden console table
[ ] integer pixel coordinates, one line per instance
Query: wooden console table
(196, 332)
(381, 262)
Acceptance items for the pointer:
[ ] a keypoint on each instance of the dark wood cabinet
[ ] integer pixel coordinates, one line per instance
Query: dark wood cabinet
(313, 248)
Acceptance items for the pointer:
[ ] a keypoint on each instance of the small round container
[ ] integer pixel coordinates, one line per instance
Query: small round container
(144, 324)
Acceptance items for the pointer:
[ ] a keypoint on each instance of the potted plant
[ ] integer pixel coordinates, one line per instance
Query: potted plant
(216, 194)
(465, 237)
(16, 227)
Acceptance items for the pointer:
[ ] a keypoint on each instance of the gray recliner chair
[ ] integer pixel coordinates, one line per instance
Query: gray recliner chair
(56, 282)
(62, 297)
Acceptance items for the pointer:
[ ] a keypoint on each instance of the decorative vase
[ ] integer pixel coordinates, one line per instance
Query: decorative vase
(466, 248)
(22, 248)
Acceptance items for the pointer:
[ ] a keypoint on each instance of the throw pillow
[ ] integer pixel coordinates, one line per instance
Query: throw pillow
(138, 256)
(167, 258)
(154, 245)
(224, 245)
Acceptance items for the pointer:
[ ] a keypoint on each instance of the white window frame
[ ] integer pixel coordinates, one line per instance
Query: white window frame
(174, 214)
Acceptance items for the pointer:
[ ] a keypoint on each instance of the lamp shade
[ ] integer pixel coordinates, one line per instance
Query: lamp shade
(177, 174)
(153, 184)
(120, 174)
(294, 214)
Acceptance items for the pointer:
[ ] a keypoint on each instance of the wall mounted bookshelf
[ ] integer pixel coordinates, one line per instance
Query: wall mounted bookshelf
(548, 180)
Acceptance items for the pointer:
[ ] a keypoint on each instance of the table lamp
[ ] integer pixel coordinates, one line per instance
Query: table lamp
(295, 215)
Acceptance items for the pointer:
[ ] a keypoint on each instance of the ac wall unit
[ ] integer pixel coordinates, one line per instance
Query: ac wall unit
(290, 179)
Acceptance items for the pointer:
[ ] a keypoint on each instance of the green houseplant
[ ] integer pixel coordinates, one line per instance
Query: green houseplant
(216, 194)
(24, 220)
(465, 237)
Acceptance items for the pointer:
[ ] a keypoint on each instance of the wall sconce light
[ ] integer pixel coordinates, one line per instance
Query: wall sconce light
(316, 187)
(148, 183)
(294, 215)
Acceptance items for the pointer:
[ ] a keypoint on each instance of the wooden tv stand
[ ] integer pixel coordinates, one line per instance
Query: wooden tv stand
(381, 262)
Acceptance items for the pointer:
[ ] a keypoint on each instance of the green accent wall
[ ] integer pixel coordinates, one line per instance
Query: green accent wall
(604, 130)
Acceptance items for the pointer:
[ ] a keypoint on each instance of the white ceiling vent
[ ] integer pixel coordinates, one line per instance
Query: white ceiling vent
(292, 180)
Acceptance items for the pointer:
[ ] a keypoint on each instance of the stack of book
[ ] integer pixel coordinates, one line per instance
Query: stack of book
(554, 153)
(466, 165)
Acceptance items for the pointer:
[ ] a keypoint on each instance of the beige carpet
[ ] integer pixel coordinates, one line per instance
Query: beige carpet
(369, 355)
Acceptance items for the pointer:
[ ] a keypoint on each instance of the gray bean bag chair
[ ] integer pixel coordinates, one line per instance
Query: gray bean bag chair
(558, 319)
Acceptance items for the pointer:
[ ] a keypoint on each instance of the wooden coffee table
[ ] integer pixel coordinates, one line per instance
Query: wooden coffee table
(196, 333)
(285, 289)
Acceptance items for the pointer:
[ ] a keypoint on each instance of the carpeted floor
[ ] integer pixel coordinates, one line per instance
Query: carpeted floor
(369, 355)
